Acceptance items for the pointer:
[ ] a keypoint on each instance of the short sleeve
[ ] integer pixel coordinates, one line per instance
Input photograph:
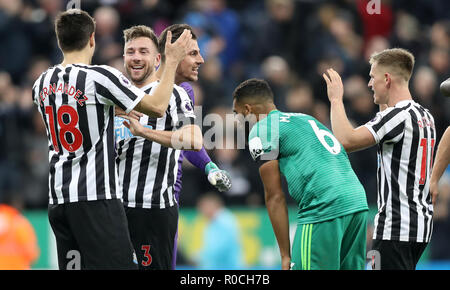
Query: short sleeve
(116, 89)
(184, 108)
(263, 142)
(388, 125)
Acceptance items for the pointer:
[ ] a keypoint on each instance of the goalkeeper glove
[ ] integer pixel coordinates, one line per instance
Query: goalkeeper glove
(217, 177)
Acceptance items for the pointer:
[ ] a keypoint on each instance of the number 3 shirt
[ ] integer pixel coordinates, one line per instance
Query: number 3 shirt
(77, 106)
(406, 138)
(316, 167)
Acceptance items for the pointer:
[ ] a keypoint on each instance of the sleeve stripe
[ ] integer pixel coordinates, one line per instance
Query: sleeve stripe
(114, 79)
(104, 92)
(389, 117)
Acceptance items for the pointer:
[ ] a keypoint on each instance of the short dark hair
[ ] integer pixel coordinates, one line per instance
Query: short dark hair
(177, 30)
(257, 89)
(140, 31)
(73, 29)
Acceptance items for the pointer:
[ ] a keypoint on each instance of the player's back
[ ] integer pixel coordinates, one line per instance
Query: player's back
(317, 169)
(77, 106)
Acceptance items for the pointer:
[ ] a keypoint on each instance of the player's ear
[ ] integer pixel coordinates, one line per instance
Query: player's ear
(92, 40)
(387, 79)
(158, 60)
(248, 109)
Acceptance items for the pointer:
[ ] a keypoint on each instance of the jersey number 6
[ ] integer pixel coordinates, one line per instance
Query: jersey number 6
(65, 127)
(321, 133)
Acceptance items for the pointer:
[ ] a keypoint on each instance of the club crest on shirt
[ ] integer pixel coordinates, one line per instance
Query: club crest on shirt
(255, 147)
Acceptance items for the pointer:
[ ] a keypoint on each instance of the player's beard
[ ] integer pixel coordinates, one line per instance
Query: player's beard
(147, 71)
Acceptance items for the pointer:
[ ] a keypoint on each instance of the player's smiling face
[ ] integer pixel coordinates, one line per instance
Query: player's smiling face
(140, 58)
(187, 70)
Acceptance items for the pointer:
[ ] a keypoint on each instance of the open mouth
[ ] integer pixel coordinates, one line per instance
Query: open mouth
(137, 68)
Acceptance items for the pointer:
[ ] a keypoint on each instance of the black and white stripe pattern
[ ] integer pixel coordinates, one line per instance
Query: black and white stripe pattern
(406, 137)
(147, 170)
(79, 121)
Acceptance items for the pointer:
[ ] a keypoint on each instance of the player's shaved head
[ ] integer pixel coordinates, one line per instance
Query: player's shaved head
(73, 29)
(254, 91)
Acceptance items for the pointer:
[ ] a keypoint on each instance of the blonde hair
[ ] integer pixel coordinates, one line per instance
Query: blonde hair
(398, 61)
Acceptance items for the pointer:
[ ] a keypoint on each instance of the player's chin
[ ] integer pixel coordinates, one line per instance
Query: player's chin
(193, 77)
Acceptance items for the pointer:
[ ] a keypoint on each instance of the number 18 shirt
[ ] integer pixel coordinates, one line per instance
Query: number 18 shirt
(77, 106)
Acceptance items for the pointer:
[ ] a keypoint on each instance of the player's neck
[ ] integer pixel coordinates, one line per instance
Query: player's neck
(76, 57)
(266, 109)
(398, 94)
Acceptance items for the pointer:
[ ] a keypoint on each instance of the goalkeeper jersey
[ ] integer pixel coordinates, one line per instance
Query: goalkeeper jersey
(317, 169)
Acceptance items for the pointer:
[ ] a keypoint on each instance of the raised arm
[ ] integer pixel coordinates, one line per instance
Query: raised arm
(352, 139)
(277, 209)
(440, 164)
(156, 104)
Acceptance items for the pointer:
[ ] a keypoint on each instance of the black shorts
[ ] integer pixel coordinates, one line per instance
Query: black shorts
(152, 233)
(396, 255)
(92, 235)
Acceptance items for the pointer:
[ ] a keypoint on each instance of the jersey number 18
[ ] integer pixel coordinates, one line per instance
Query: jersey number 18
(65, 127)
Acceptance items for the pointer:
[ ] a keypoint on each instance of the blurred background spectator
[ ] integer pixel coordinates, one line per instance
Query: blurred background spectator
(18, 243)
(221, 248)
(290, 43)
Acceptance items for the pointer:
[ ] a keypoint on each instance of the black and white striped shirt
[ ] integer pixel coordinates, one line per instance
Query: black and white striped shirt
(148, 170)
(406, 137)
(77, 106)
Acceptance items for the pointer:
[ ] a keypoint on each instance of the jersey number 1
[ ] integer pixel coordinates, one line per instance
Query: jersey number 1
(68, 127)
(423, 165)
(321, 133)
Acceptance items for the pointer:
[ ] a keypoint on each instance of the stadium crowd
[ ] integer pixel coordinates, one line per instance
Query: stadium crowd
(290, 43)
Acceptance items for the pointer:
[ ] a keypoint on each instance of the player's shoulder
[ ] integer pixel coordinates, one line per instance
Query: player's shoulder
(149, 87)
(180, 91)
(103, 69)
(43, 75)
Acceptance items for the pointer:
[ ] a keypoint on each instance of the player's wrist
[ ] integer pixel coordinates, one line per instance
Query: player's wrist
(210, 166)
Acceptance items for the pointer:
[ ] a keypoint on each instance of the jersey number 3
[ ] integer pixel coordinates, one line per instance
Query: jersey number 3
(321, 133)
(65, 127)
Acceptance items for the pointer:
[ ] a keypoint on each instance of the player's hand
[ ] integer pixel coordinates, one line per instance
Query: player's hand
(217, 177)
(434, 191)
(335, 87)
(285, 263)
(133, 114)
(136, 128)
(178, 50)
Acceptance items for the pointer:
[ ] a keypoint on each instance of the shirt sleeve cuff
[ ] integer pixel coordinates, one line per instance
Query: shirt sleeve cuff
(140, 94)
(375, 136)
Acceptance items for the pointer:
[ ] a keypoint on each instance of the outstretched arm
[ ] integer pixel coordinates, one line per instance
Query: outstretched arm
(200, 159)
(440, 164)
(352, 139)
(188, 137)
(277, 209)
